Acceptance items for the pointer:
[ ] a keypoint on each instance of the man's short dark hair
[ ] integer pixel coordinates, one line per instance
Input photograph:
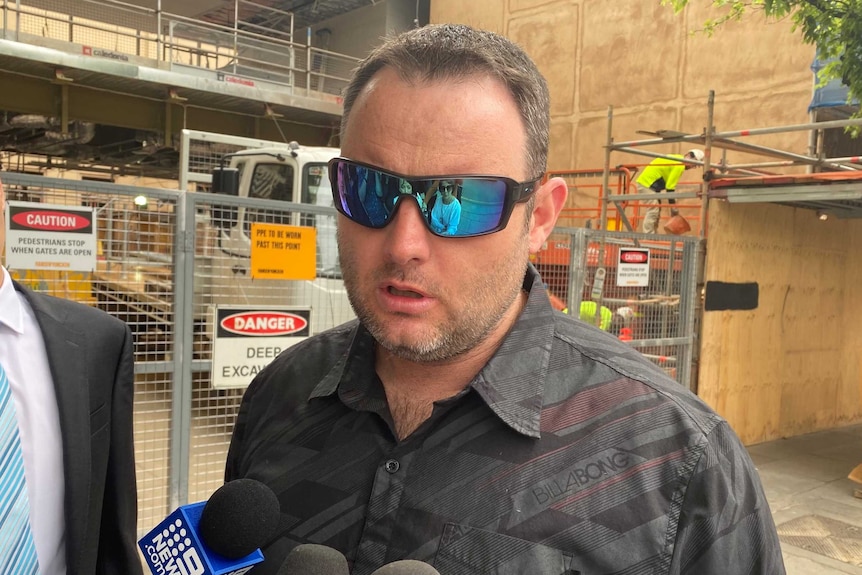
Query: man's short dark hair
(455, 51)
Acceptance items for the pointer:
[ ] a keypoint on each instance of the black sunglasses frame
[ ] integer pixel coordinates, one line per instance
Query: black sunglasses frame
(516, 193)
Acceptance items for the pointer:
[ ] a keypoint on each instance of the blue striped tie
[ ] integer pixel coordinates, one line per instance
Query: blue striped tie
(17, 550)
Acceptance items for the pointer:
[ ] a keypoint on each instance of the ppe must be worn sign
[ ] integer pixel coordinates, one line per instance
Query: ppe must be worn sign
(246, 340)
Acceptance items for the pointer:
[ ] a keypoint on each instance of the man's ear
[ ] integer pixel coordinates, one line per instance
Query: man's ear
(550, 199)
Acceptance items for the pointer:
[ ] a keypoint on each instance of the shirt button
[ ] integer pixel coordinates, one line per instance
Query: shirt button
(391, 466)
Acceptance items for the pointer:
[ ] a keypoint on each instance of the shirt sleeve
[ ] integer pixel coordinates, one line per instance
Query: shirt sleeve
(725, 525)
(674, 174)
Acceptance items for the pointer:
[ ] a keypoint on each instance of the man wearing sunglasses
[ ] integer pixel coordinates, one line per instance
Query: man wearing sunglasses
(461, 421)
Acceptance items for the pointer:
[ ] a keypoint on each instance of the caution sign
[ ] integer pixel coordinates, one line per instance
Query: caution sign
(246, 340)
(50, 237)
(633, 267)
(283, 252)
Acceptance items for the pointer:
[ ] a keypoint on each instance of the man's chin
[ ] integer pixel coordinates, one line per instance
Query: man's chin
(418, 354)
(422, 347)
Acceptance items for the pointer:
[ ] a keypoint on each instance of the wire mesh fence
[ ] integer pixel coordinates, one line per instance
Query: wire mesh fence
(166, 261)
(642, 288)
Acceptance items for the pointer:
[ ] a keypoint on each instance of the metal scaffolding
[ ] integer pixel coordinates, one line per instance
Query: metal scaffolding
(840, 193)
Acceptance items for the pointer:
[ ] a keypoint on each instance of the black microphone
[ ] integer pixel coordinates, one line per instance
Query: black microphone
(220, 536)
(406, 567)
(311, 559)
(239, 517)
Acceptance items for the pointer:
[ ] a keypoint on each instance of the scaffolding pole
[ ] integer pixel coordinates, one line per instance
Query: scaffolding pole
(707, 159)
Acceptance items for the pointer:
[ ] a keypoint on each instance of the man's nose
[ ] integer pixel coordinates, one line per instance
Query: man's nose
(408, 232)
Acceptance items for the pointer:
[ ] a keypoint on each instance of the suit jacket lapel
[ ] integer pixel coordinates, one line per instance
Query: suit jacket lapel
(67, 353)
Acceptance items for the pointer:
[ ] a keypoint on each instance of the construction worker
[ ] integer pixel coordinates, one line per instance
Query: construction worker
(588, 314)
(662, 175)
(587, 311)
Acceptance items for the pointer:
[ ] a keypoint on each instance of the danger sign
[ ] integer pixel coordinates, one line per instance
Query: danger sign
(264, 323)
(246, 340)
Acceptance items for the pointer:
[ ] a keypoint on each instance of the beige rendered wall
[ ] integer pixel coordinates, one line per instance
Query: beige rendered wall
(791, 366)
(643, 60)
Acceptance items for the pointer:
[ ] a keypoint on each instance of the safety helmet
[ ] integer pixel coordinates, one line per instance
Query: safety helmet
(696, 154)
(625, 312)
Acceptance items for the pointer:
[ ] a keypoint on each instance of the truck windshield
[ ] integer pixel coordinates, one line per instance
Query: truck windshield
(272, 181)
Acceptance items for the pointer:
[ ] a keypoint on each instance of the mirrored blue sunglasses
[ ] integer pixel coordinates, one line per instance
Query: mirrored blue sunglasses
(477, 205)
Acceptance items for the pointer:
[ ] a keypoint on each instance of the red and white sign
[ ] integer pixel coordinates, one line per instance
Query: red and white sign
(264, 323)
(102, 53)
(633, 267)
(633, 257)
(222, 77)
(246, 340)
(50, 237)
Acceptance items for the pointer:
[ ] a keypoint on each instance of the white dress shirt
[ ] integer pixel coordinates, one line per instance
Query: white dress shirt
(22, 353)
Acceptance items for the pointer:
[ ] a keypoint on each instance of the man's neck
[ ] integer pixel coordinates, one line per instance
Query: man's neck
(412, 388)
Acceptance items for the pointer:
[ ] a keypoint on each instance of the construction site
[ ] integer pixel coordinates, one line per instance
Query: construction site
(125, 110)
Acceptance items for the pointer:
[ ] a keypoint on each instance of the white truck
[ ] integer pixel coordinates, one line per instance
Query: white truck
(286, 172)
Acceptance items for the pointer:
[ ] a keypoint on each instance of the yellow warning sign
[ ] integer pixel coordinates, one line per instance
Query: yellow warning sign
(283, 252)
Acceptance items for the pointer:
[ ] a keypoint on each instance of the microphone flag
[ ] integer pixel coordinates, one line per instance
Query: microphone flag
(175, 547)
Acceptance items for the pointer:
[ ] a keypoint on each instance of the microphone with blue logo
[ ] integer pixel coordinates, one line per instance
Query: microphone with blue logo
(221, 536)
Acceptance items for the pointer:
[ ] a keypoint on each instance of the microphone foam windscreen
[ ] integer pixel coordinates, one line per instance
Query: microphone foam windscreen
(310, 559)
(239, 517)
(406, 567)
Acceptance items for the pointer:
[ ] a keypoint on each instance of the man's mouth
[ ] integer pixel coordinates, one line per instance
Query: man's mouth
(404, 293)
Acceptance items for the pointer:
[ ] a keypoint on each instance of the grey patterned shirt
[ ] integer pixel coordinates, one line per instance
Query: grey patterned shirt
(569, 453)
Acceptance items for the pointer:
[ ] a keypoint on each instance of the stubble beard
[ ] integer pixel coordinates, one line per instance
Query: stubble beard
(488, 300)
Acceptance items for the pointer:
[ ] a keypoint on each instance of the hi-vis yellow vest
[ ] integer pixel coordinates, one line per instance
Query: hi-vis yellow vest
(662, 174)
(588, 314)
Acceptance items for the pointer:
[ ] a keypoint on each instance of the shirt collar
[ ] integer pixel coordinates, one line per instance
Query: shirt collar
(354, 377)
(512, 383)
(11, 314)
(357, 361)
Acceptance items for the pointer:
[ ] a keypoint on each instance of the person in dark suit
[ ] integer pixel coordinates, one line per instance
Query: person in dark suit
(70, 370)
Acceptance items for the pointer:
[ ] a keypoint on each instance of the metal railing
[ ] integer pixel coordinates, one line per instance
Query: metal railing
(153, 36)
(162, 272)
(656, 316)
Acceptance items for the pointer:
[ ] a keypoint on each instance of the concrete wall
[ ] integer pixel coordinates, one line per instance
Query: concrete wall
(358, 32)
(643, 60)
(791, 366)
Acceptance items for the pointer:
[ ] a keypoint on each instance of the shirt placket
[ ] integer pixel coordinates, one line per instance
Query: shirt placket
(387, 495)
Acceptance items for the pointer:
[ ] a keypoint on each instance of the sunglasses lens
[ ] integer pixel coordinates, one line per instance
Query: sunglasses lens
(476, 205)
(483, 203)
(362, 194)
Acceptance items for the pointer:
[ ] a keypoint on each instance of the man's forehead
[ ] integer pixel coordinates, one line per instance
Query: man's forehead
(439, 126)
